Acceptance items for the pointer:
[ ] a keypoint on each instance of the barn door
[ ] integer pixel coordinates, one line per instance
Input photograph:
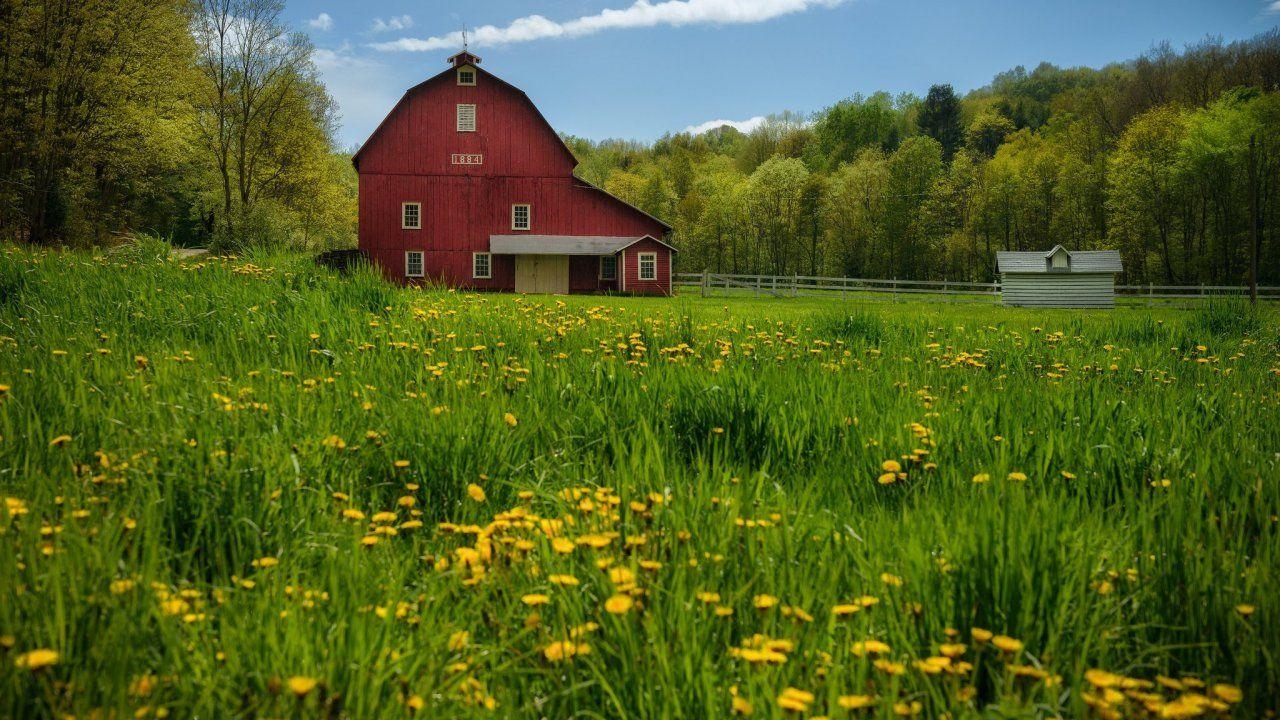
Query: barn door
(526, 273)
(553, 274)
(542, 274)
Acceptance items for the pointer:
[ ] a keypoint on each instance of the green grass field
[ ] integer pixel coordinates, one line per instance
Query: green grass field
(252, 488)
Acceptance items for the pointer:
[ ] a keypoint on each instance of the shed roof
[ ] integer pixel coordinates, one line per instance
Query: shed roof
(563, 244)
(1081, 261)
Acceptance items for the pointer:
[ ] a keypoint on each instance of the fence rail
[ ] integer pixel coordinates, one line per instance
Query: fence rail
(708, 283)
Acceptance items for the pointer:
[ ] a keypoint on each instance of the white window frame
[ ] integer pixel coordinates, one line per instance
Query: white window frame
(614, 276)
(488, 264)
(640, 266)
(422, 263)
(464, 127)
(404, 220)
(528, 216)
(469, 70)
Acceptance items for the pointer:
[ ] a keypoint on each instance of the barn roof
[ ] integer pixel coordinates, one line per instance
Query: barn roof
(597, 188)
(1079, 261)
(563, 244)
(355, 158)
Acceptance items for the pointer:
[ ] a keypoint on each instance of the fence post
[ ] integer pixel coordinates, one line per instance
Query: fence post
(758, 285)
(1150, 292)
(704, 282)
(795, 285)
(893, 289)
(1201, 288)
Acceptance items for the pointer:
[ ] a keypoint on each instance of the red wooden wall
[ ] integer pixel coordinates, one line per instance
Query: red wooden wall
(408, 159)
(629, 269)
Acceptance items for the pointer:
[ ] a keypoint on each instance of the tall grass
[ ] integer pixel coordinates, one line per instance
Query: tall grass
(166, 426)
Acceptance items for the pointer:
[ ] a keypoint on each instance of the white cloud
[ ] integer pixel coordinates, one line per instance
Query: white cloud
(321, 22)
(1274, 7)
(744, 126)
(404, 22)
(642, 14)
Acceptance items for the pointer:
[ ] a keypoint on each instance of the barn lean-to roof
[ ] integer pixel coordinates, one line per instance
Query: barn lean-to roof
(565, 244)
(1081, 261)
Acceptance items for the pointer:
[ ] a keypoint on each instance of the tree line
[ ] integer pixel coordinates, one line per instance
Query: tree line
(201, 121)
(205, 122)
(1172, 158)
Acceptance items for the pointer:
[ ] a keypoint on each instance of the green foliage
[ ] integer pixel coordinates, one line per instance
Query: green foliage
(939, 119)
(1069, 156)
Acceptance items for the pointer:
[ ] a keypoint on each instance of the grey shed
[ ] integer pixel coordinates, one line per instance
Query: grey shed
(1059, 278)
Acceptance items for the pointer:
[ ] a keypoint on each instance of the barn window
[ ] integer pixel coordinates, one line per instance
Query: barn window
(413, 263)
(648, 266)
(608, 267)
(520, 217)
(466, 118)
(466, 76)
(481, 266)
(411, 216)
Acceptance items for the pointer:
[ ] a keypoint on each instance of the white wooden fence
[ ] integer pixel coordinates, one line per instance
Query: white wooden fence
(709, 284)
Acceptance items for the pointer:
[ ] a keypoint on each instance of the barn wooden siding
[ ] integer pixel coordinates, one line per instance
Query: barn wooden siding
(409, 159)
(420, 136)
(1079, 290)
(460, 213)
(629, 269)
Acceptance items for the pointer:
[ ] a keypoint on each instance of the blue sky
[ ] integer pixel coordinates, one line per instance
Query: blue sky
(635, 70)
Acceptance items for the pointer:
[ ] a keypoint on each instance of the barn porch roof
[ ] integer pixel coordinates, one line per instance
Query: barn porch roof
(562, 244)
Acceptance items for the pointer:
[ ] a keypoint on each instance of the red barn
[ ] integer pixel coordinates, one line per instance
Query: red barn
(467, 184)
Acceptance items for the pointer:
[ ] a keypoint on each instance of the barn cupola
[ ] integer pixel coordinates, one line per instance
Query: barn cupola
(464, 58)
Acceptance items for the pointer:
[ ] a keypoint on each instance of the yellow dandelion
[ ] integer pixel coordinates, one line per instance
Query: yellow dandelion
(459, 640)
(1016, 476)
(36, 659)
(795, 700)
(301, 685)
(476, 492)
(1228, 693)
(764, 602)
(855, 702)
(510, 419)
(619, 604)
(1004, 643)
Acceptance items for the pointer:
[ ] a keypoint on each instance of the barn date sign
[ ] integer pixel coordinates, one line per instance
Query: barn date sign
(468, 159)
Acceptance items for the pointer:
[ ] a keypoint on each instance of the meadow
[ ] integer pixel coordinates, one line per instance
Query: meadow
(249, 487)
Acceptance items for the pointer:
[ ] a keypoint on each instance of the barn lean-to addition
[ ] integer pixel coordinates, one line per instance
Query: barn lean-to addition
(466, 183)
(1059, 278)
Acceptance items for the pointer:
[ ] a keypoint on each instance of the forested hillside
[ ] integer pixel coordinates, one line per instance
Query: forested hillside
(1150, 156)
(206, 123)
(203, 122)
